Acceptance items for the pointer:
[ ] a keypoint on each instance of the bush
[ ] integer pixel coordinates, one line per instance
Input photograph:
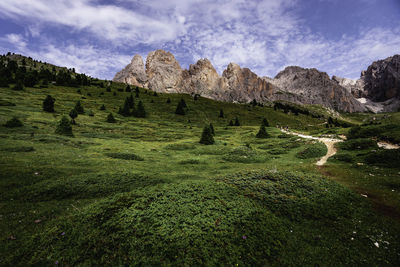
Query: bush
(360, 143)
(103, 107)
(14, 122)
(126, 156)
(313, 151)
(64, 127)
(207, 136)
(221, 113)
(168, 100)
(48, 103)
(387, 157)
(344, 157)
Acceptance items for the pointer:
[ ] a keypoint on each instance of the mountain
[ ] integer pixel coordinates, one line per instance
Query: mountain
(378, 87)
(163, 73)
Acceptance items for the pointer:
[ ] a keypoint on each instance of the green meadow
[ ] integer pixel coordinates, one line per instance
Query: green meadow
(145, 192)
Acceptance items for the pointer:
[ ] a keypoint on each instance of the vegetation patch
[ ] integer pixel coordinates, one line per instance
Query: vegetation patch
(358, 144)
(189, 161)
(389, 158)
(126, 156)
(312, 151)
(180, 146)
(244, 154)
(19, 149)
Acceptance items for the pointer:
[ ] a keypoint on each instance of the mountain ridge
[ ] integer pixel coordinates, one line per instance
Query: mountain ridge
(163, 73)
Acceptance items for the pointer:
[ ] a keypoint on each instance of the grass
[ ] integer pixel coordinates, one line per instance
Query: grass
(143, 191)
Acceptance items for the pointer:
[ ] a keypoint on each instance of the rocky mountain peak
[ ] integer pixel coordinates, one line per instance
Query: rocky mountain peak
(134, 73)
(163, 71)
(382, 79)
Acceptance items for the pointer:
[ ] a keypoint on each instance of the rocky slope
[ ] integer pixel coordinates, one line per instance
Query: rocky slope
(294, 84)
(311, 86)
(382, 79)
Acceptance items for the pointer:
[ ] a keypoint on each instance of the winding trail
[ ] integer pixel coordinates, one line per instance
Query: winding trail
(329, 142)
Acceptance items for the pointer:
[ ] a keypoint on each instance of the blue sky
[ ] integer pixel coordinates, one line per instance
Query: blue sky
(99, 37)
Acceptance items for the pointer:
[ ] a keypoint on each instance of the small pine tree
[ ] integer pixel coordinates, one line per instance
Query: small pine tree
(131, 102)
(115, 93)
(73, 114)
(237, 123)
(48, 103)
(128, 89)
(180, 110)
(183, 103)
(110, 118)
(137, 91)
(207, 136)
(262, 133)
(125, 111)
(79, 108)
(212, 129)
(230, 123)
(221, 113)
(168, 100)
(140, 112)
(327, 125)
(64, 127)
(265, 122)
(196, 97)
(108, 89)
(14, 122)
(19, 86)
(103, 107)
(330, 120)
(155, 94)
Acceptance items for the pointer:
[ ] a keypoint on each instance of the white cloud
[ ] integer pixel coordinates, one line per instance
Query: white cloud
(264, 36)
(108, 22)
(16, 39)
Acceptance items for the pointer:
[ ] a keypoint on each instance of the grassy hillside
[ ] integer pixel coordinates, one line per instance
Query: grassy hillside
(143, 191)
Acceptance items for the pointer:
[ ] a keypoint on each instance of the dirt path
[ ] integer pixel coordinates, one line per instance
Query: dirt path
(329, 142)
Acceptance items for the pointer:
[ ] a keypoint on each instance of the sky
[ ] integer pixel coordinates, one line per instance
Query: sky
(99, 37)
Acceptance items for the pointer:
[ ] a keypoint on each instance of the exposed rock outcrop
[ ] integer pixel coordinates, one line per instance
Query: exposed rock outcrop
(314, 87)
(164, 72)
(355, 87)
(134, 73)
(245, 85)
(382, 79)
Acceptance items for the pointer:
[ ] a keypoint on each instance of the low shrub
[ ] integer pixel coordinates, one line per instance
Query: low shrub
(312, 151)
(126, 156)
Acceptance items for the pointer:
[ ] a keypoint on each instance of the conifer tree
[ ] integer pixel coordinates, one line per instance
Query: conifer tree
(168, 100)
(79, 108)
(221, 113)
(207, 136)
(125, 111)
(19, 86)
(73, 114)
(180, 110)
(212, 129)
(262, 133)
(108, 89)
(110, 118)
(48, 103)
(265, 122)
(128, 89)
(64, 127)
(183, 103)
(137, 91)
(230, 123)
(103, 107)
(237, 123)
(155, 94)
(131, 101)
(140, 112)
